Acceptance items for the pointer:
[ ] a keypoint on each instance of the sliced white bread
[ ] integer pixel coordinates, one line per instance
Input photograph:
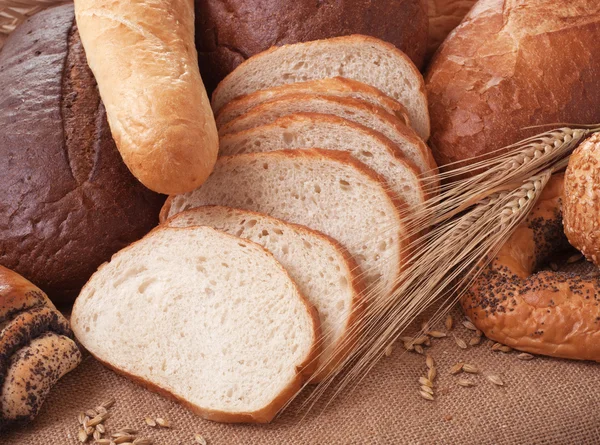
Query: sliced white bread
(324, 272)
(365, 59)
(208, 318)
(327, 191)
(355, 110)
(335, 86)
(328, 132)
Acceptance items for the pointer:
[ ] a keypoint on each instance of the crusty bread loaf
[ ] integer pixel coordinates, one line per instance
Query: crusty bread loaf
(509, 66)
(328, 132)
(581, 201)
(207, 317)
(335, 86)
(324, 272)
(229, 32)
(365, 59)
(68, 200)
(444, 16)
(324, 190)
(35, 348)
(355, 110)
(145, 62)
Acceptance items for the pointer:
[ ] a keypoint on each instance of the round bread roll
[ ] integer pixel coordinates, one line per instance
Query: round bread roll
(509, 66)
(581, 218)
(67, 200)
(227, 33)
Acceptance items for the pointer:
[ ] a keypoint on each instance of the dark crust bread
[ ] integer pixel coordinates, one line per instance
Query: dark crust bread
(227, 33)
(68, 202)
(512, 65)
(549, 313)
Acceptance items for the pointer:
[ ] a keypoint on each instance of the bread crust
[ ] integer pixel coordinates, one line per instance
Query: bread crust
(582, 200)
(304, 371)
(548, 313)
(228, 33)
(428, 167)
(145, 62)
(348, 340)
(224, 94)
(509, 66)
(335, 86)
(444, 16)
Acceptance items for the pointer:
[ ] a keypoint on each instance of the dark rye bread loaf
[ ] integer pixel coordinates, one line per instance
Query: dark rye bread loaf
(67, 201)
(227, 33)
(509, 65)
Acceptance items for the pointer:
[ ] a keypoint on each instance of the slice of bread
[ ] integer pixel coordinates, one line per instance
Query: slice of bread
(208, 318)
(324, 272)
(328, 132)
(355, 110)
(336, 87)
(365, 59)
(327, 191)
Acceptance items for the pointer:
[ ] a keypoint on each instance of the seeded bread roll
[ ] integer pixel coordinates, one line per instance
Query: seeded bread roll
(36, 348)
(67, 200)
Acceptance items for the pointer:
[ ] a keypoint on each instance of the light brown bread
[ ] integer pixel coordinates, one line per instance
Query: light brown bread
(327, 191)
(444, 16)
(205, 317)
(365, 59)
(355, 110)
(145, 62)
(324, 271)
(335, 87)
(329, 132)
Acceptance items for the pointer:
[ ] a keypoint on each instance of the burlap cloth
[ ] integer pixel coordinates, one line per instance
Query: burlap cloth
(544, 401)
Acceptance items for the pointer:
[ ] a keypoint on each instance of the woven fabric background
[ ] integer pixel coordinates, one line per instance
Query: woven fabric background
(544, 401)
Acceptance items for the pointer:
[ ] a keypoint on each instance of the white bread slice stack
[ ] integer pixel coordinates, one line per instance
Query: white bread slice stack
(203, 316)
(325, 274)
(354, 110)
(328, 132)
(365, 59)
(325, 190)
(336, 87)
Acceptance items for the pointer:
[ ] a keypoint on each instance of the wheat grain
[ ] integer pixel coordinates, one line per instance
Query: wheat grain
(525, 356)
(82, 436)
(457, 368)
(163, 423)
(431, 374)
(465, 383)
(496, 380)
(199, 439)
(426, 395)
(437, 334)
(460, 342)
(429, 361)
(419, 349)
(474, 341)
(425, 381)
(496, 346)
(142, 441)
(471, 369)
(449, 322)
(150, 422)
(470, 326)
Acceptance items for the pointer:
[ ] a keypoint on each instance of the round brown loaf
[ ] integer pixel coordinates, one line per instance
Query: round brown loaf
(549, 313)
(67, 201)
(511, 65)
(227, 33)
(582, 199)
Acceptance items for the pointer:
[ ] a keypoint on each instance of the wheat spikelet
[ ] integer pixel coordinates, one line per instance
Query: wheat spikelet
(473, 217)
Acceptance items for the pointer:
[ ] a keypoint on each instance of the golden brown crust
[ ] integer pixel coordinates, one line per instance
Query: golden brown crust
(582, 199)
(145, 62)
(335, 86)
(309, 118)
(444, 16)
(549, 313)
(18, 294)
(403, 131)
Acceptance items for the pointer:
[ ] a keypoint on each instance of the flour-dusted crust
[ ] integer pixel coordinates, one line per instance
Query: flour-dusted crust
(145, 62)
(549, 313)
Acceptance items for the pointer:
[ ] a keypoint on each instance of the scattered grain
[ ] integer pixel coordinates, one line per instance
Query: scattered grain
(82, 436)
(419, 349)
(449, 322)
(426, 395)
(123, 439)
(90, 430)
(97, 435)
(495, 379)
(574, 258)
(427, 389)
(425, 381)
(471, 369)
(460, 342)
(496, 346)
(437, 334)
(150, 422)
(525, 356)
(199, 439)
(429, 361)
(103, 441)
(142, 441)
(100, 427)
(431, 374)
(505, 349)
(409, 346)
(81, 418)
(457, 368)
(420, 340)
(91, 413)
(465, 383)
(470, 326)
(163, 422)
(108, 403)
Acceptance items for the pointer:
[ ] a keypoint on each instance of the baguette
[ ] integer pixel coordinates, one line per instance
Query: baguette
(146, 66)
